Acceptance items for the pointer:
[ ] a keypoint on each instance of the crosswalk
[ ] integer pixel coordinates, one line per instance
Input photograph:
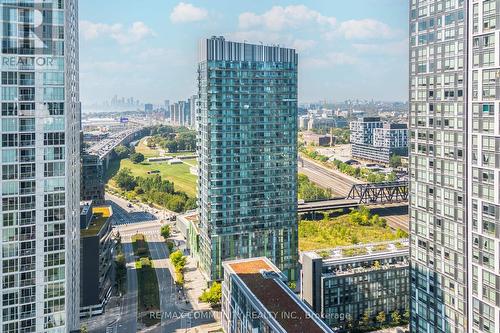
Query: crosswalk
(128, 222)
(112, 329)
(145, 233)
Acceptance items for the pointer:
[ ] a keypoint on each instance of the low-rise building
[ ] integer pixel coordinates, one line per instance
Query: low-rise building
(96, 258)
(377, 154)
(341, 285)
(326, 123)
(255, 298)
(316, 139)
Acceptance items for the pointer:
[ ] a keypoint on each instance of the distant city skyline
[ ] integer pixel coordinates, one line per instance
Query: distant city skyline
(347, 51)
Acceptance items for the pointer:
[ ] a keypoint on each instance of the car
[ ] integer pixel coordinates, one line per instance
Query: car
(129, 205)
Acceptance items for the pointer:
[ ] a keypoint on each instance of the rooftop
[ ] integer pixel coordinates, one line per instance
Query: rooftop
(99, 219)
(277, 299)
(352, 251)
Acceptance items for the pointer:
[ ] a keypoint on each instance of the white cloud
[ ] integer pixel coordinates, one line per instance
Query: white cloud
(279, 18)
(135, 33)
(398, 48)
(331, 59)
(362, 29)
(186, 12)
(302, 45)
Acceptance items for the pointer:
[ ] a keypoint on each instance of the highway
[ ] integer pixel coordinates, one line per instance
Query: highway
(102, 148)
(338, 183)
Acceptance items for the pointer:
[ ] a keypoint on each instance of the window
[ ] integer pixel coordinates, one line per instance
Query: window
(54, 139)
(9, 78)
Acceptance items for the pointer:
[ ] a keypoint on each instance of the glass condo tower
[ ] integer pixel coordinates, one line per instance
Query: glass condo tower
(40, 166)
(247, 147)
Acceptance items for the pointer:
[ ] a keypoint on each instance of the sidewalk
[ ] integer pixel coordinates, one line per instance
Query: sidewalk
(194, 281)
(208, 328)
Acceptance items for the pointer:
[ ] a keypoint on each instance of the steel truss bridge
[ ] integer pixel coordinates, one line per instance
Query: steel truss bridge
(379, 193)
(362, 194)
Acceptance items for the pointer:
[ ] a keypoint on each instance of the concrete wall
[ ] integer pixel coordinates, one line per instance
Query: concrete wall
(311, 281)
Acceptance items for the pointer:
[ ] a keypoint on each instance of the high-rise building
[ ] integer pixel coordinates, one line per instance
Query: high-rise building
(192, 111)
(40, 166)
(454, 248)
(247, 139)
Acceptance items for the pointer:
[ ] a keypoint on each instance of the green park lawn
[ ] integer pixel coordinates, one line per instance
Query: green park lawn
(339, 231)
(148, 152)
(145, 150)
(183, 180)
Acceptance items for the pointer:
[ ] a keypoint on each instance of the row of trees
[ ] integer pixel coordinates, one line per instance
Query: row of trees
(381, 318)
(154, 190)
(308, 191)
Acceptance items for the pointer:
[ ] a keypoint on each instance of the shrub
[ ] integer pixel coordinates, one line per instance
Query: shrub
(212, 295)
(137, 158)
(165, 231)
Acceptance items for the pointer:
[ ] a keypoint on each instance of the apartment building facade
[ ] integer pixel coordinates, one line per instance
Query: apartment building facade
(40, 166)
(247, 148)
(345, 284)
(454, 165)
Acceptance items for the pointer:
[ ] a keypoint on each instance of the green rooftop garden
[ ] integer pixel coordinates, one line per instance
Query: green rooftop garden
(98, 221)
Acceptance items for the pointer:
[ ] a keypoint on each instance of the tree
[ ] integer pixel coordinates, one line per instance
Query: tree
(171, 146)
(125, 180)
(137, 158)
(395, 161)
(406, 315)
(122, 152)
(396, 318)
(381, 318)
(83, 329)
(212, 295)
(165, 231)
(178, 260)
(366, 318)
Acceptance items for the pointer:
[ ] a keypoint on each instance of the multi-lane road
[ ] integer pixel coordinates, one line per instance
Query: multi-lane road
(103, 147)
(175, 311)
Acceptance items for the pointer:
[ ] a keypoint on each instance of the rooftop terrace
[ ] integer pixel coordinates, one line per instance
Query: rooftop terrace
(351, 251)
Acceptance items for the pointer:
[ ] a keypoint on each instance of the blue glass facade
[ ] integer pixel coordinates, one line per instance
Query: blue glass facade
(247, 142)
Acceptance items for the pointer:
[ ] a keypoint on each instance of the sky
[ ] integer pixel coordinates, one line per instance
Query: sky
(147, 49)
